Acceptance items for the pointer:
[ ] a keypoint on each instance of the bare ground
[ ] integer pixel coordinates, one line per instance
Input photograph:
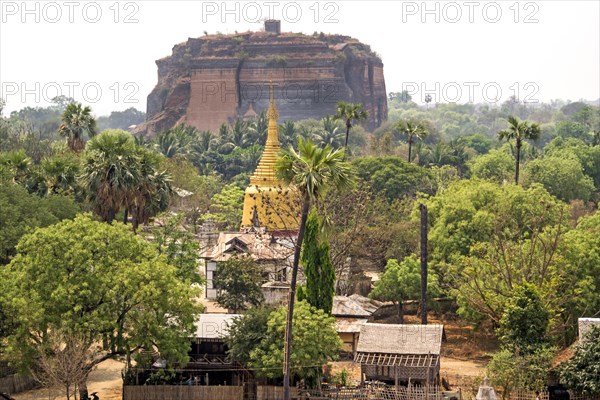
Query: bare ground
(106, 380)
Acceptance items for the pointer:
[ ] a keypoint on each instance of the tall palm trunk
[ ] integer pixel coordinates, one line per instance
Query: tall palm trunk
(518, 161)
(288, 325)
(348, 126)
(410, 142)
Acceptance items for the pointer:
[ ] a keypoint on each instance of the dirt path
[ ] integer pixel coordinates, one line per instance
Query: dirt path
(106, 380)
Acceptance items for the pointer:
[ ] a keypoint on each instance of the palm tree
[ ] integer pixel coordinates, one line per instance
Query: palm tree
(460, 155)
(440, 154)
(153, 190)
(288, 133)
(111, 172)
(329, 134)
(412, 130)
(77, 120)
(349, 112)
(311, 170)
(180, 139)
(519, 131)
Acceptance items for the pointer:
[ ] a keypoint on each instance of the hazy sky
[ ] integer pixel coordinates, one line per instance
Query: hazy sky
(104, 52)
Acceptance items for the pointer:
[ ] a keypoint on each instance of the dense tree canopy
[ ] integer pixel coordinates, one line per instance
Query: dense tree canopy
(100, 283)
(315, 343)
(238, 281)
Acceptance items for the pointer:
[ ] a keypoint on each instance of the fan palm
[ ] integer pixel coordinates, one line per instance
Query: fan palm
(178, 140)
(330, 133)
(519, 131)
(111, 172)
(311, 170)
(153, 190)
(349, 112)
(288, 133)
(412, 130)
(76, 121)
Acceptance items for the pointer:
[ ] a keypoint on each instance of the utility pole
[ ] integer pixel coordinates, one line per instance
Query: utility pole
(423, 209)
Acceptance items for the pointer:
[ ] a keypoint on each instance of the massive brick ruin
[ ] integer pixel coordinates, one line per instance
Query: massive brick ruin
(218, 78)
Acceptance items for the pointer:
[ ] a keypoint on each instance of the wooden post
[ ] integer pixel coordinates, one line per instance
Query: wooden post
(423, 209)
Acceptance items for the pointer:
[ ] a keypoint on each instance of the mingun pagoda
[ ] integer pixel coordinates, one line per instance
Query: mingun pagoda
(216, 79)
(268, 203)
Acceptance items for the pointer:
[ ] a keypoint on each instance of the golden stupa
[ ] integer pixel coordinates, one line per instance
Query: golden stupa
(268, 203)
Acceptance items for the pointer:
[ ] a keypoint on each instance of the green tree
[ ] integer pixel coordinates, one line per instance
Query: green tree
(238, 281)
(349, 112)
(77, 121)
(180, 247)
(582, 372)
(525, 372)
(227, 206)
(478, 142)
(110, 172)
(315, 343)
(394, 177)
(519, 131)
(562, 176)
(318, 269)
(399, 282)
(497, 166)
(247, 332)
(100, 283)
(524, 323)
(412, 130)
(311, 170)
(23, 212)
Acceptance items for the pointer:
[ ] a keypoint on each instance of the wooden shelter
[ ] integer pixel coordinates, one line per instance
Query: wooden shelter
(399, 354)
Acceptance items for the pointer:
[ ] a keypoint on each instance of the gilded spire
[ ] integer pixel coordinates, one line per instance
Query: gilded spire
(272, 113)
(265, 203)
(264, 175)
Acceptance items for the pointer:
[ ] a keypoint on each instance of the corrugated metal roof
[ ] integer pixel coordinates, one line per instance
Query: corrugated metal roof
(400, 339)
(259, 247)
(349, 325)
(214, 326)
(354, 306)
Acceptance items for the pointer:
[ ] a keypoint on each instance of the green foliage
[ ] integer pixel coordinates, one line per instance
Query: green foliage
(227, 207)
(519, 131)
(527, 372)
(524, 323)
(247, 332)
(562, 176)
(315, 343)
(478, 142)
(239, 282)
(580, 248)
(23, 212)
(77, 121)
(497, 166)
(349, 112)
(402, 281)
(413, 130)
(582, 372)
(312, 169)
(394, 177)
(318, 269)
(118, 173)
(179, 246)
(100, 282)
